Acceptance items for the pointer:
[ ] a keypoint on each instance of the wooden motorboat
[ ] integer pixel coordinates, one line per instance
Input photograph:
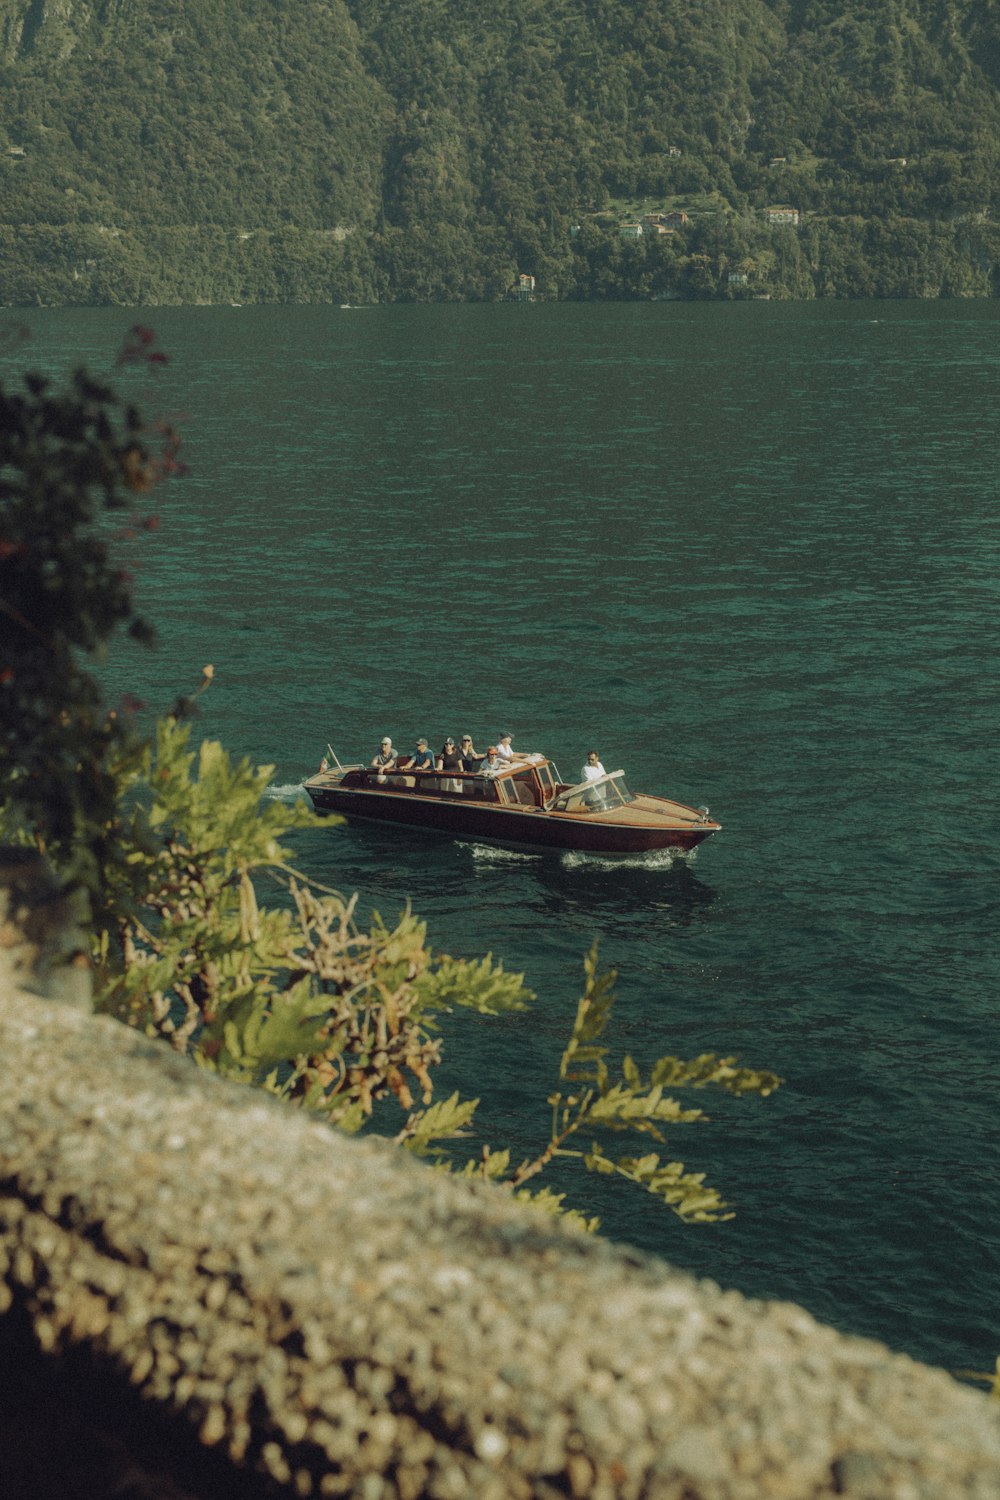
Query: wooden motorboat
(525, 805)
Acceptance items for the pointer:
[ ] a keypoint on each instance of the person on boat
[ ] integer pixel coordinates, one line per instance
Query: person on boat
(592, 768)
(504, 749)
(471, 757)
(421, 759)
(492, 765)
(450, 760)
(592, 771)
(384, 758)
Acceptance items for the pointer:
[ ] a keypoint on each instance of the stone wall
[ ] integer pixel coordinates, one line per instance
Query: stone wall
(238, 1301)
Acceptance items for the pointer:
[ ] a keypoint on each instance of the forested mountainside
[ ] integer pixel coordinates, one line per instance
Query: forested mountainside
(360, 150)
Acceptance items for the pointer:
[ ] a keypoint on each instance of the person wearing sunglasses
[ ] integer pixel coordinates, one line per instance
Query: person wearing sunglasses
(492, 765)
(471, 757)
(421, 759)
(450, 760)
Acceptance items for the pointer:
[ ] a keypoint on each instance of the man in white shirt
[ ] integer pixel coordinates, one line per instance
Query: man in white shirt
(593, 768)
(593, 771)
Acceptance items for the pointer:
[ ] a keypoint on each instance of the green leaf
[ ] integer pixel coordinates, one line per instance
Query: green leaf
(631, 1074)
(348, 1115)
(619, 1108)
(722, 1072)
(265, 1030)
(554, 1204)
(446, 1120)
(682, 1191)
(582, 1061)
(472, 984)
(492, 1165)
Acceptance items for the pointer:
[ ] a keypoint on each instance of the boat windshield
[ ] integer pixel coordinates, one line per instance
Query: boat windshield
(545, 774)
(603, 795)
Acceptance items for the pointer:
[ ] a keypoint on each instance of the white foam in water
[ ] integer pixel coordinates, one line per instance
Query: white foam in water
(495, 853)
(289, 793)
(573, 859)
(653, 859)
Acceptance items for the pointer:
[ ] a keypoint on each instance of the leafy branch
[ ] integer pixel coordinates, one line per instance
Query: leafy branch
(589, 1099)
(297, 998)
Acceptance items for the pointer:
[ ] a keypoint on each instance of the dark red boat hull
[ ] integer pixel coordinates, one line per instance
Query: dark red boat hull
(521, 827)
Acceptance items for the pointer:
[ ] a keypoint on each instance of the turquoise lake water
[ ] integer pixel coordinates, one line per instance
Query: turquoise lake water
(750, 553)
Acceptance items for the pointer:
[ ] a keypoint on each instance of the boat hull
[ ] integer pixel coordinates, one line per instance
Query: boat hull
(519, 827)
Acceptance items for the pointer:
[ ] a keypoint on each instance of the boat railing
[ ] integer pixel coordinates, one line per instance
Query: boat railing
(455, 783)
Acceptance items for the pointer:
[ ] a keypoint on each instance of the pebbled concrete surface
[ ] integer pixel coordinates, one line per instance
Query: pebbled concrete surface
(322, 1316)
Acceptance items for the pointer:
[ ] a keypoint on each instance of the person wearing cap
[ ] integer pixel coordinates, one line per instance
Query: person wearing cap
(421, 759)
(503, 746)
(384, 758)
(492, 765)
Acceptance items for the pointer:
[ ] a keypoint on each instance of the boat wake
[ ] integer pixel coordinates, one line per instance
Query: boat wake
(652, 859)
(288, 793)
(498, 854)
(577, 859)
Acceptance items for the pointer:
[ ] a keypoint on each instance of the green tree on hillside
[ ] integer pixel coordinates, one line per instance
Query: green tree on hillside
(478, 135)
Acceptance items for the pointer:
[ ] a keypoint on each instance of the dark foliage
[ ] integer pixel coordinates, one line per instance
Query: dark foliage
(70, 463)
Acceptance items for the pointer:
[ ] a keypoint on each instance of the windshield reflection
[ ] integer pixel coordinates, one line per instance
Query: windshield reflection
(603, 794)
